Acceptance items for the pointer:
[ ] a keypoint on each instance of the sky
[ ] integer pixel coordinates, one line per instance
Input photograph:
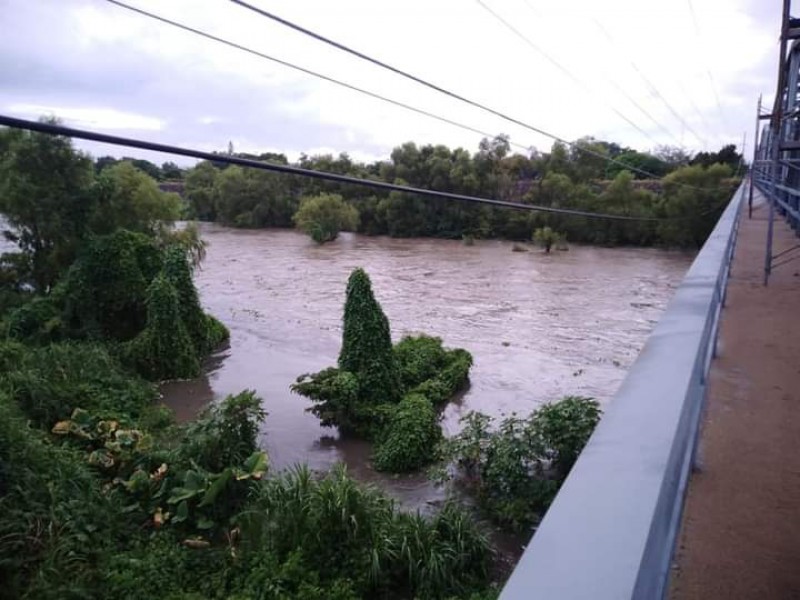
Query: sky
(640, 73)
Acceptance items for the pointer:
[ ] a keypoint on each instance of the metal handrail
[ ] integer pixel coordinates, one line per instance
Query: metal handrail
(610, 533)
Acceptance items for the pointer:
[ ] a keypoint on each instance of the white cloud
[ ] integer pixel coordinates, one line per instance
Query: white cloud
(91, 62)
(98, 118)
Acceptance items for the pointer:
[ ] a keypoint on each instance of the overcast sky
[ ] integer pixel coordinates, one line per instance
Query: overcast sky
(101, 67)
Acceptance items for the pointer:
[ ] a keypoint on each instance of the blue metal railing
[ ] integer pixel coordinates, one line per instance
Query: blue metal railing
(610, 534)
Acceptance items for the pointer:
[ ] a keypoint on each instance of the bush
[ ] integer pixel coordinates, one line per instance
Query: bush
(226, 433)
(563, 428)
(324, 216)
(49, 383)
(367, 344)
(452, 378)
(410, 438)
(518, 468)
(105, 291)
(164, 349)
(55, 522)
(353, 537)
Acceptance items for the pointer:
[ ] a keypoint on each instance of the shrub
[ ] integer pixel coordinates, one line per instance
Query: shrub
(164, 349)
(226, 433)
(518, 468)
(367, 344)
(105, 291)
(410, 438)
(49, 383)
(353, 536)
(324, 216)
(336, 400)
(453, 377)
(563, 428)
(55, 522)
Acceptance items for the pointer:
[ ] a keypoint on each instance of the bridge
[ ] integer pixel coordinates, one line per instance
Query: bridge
(689, 487)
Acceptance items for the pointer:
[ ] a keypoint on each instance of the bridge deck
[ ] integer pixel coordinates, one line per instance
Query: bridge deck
(740, 536)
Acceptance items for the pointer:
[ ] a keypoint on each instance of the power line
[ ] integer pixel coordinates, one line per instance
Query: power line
(444, 91)
(306, 71)
(575, 79)
(610, 39)
(55, 129)
(708, 69)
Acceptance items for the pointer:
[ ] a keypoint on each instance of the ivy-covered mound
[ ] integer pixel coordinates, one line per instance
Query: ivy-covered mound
(126, 291)
(388, 394)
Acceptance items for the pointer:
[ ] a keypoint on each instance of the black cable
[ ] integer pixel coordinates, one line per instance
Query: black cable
(306, 71)
(55, 129)
(444, 91)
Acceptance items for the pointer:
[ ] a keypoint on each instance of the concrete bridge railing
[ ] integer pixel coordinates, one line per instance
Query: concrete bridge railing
(610, 534)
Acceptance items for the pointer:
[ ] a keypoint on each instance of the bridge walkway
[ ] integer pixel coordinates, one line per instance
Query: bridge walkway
(740, 536)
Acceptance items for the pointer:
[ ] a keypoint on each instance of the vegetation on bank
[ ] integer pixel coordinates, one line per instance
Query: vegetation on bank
(562, 178)
(101, 493)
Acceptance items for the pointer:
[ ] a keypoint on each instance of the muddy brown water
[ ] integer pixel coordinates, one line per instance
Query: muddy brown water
(538, 326)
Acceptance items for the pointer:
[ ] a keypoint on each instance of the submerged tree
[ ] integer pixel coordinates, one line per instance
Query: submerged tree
(367, 343)
(546, 238)
(324, 216)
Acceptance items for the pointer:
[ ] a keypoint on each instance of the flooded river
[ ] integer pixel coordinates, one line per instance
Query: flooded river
(538, 326)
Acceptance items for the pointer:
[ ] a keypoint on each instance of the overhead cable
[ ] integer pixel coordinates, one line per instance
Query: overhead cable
(577, 146)
(580, 83)
(61, 130)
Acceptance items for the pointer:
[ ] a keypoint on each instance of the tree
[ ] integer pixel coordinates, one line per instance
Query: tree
(170, 170)
(199, 190)
(324, 216)
(367, 343)
(130, 199)
(546, 237)
(45, 196)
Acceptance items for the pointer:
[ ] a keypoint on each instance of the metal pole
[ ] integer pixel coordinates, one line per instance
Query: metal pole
(775, 137)
(753, 166)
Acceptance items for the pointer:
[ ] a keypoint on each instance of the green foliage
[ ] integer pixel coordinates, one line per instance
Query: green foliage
(164, 349)
(129, 198)
(55, 521)
(452, 378)
(45, 196)
(410, 437)
(367, 344)
(226, 433)
(49, 383)
(105, 292)
(563, 428)
(336, 399)
(518, 468)
(324, 216)
(353, 537)
(546, 238)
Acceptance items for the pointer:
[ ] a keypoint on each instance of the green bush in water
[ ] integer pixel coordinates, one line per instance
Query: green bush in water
(518, 468)
(367, 343)
(410, 437)
(164, 350)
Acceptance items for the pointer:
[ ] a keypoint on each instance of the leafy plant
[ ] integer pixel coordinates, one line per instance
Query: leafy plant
(324, 216)
(518, 468)
(410, 436)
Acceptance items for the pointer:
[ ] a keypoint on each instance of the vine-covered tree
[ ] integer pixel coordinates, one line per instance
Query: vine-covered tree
(367, 343)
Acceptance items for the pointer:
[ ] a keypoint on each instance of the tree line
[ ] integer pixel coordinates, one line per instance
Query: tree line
(694, 189)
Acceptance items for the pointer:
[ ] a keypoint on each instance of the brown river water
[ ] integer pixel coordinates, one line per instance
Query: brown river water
(538, 326)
